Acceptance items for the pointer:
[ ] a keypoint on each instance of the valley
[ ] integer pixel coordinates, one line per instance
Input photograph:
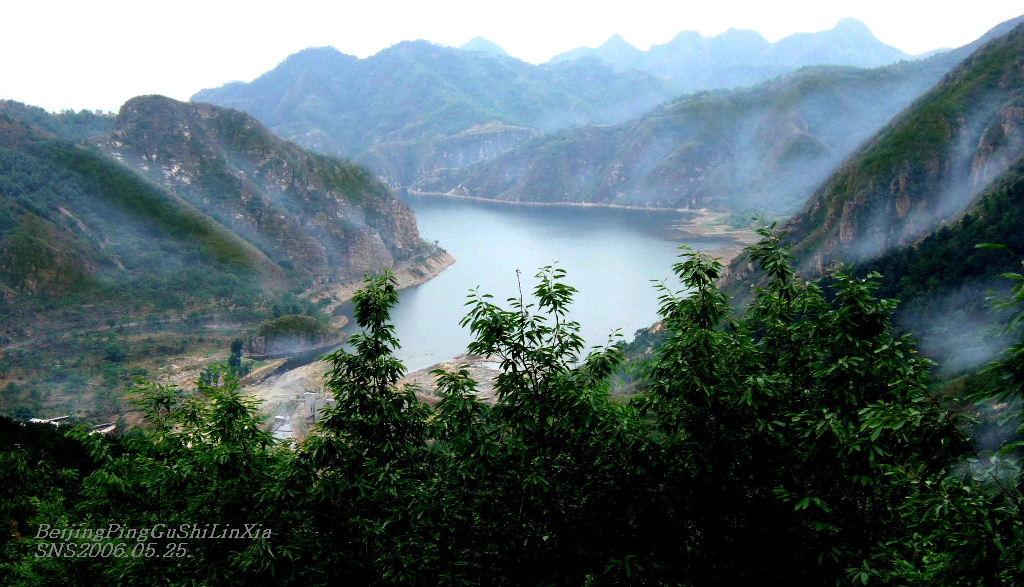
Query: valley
(290, 227)
(612, 255)
(736, 301)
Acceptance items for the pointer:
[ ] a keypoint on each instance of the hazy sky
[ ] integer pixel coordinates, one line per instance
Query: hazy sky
(99, 53)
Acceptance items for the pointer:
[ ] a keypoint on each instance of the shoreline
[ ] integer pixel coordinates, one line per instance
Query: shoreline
(281, 393)
(407, 275)
(701, 223)
(567, 204)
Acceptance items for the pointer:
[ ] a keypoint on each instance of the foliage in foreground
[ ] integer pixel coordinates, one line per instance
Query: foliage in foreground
(797, 443)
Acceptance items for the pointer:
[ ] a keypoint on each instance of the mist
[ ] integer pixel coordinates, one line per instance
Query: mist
(959, 329)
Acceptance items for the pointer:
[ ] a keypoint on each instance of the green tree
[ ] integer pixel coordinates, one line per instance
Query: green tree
(235, 360)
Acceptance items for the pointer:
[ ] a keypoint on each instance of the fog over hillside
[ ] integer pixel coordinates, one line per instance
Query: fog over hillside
(763, 149)
(915, 201)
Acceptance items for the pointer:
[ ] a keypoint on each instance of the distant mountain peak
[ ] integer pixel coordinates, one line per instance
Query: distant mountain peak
(319, 56)
(740, 34)
(848, 29)
(482, 45)
(852, 25)
(683, 37)
(617, 42)
(692, 61)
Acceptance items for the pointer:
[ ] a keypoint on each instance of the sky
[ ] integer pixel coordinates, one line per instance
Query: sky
(97, 54)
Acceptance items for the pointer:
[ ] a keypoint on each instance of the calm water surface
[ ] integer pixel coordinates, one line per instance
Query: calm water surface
(610, 256)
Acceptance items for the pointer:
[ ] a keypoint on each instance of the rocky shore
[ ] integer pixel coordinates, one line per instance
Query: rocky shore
(408, 274)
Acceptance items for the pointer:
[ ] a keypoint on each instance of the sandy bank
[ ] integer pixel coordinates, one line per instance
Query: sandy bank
(481, 369)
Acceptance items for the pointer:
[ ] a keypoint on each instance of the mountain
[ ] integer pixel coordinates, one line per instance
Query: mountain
(417, 92)
(321, 218)
(216, 174)
(764, 149)
(927, 166)
(75, 220)
(692, 62)
(170, 218)
(615, 51)
(912, 203)
(483, 45)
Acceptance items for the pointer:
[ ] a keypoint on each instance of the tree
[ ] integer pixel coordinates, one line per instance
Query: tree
(235, 360)
(784, 426)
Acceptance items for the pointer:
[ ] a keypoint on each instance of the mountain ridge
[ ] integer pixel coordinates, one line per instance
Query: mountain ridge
(738, 57)
(316, 95)
(786, 136)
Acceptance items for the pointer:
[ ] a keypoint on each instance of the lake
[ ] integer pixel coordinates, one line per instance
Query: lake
(610, 255)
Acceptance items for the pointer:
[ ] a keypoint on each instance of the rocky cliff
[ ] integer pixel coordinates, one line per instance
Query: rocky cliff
(318, 217)
(925, 168)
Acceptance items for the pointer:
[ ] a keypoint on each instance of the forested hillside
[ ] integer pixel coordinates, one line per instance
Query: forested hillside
(925, 168)
(122, 237)
(760, 149)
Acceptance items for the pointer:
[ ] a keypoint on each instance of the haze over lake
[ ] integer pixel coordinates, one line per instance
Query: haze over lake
(610, 255)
